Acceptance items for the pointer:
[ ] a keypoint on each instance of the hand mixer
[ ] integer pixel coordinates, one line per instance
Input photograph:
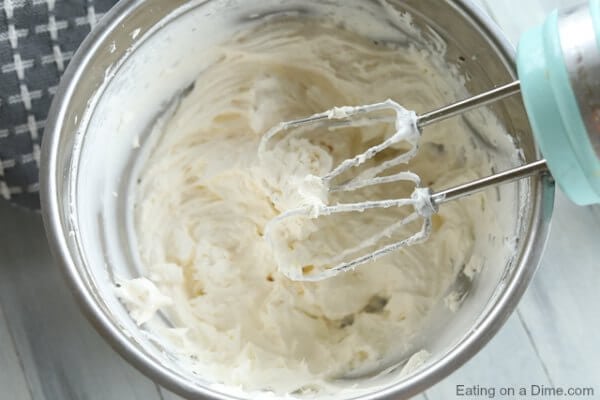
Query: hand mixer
(558, 66)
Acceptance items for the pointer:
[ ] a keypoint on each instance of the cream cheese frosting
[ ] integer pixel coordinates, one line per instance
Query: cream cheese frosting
(205, 198)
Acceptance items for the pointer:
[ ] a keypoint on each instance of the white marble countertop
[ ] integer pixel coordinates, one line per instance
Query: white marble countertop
(49, 351)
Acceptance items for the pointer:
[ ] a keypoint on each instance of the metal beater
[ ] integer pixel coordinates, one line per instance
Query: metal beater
(559, 70)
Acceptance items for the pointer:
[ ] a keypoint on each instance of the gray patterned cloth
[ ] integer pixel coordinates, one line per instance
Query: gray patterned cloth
(37, 40)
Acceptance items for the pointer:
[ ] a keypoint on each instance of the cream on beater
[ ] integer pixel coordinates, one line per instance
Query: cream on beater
(292, 229)
(205, 198)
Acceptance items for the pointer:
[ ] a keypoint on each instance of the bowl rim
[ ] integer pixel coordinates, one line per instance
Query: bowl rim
(57, 236)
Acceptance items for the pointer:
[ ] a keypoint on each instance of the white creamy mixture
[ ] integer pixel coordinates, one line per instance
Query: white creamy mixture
(204, 200)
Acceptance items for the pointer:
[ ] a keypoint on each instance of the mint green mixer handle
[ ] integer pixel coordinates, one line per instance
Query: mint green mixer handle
(559, 68)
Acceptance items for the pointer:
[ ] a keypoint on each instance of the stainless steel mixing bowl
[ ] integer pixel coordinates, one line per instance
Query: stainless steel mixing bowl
(87, 171)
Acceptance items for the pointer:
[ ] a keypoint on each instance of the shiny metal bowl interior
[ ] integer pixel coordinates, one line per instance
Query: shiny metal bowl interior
(475, 46)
